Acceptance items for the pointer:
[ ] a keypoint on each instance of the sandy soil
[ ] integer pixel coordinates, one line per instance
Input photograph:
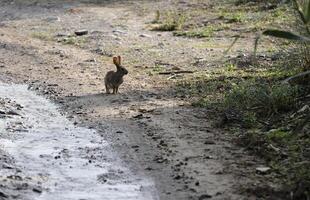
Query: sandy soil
(152, 130)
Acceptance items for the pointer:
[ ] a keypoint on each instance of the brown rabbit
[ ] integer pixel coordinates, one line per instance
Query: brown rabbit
(112, 79)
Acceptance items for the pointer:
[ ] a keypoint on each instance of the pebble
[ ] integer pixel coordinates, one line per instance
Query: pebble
(149, 168)
(209, 142)
(139, 116)
(204, 196)
(6, 166)
(81, 32)
(146, 36)
(37, 189)
(91, 60)
(119, 31)
(11, 112)
(263, 170)
(3, 195)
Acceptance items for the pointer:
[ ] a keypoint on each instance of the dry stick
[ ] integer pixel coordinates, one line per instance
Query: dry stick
(176, 72)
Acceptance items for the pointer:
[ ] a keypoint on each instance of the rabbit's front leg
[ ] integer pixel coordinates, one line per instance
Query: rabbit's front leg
(107, 89)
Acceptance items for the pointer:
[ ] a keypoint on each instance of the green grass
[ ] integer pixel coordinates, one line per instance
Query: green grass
(281, 16)
(261, 98)
(42, 36)
(77, 41)
(202, 32)
(262, 112)
(169, 21)
(155, 70)
(233, 16)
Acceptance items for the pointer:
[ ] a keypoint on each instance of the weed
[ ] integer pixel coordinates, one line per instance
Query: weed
(230, 67)
(262, 98)
(42, 36)
(198, 33)
(77, 41)
(170, 21)
(207, 31)
(155, 70)
(158, 68)
(234, 17)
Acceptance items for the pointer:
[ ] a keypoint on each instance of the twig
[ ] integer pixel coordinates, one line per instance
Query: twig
(176, 72)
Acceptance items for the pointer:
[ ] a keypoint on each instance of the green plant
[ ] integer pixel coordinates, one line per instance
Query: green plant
(171, 21)
(304, 14)
(199, 33)
(303, 10)
(261, 98)
(233, 17)
(42, 36)
(230, 67)
(77, 41)
(206, 31)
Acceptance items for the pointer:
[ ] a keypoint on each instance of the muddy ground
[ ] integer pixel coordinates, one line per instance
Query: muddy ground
(151, 129)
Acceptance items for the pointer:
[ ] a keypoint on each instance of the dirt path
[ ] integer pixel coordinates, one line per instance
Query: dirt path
(151, 130)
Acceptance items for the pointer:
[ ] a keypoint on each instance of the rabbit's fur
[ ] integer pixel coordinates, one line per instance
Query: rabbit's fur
(114, 79)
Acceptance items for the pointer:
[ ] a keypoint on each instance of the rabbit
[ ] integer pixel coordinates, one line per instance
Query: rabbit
(114, 79)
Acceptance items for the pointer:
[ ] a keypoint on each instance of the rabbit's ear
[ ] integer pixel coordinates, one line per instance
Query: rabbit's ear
(119, 60)
(115, 61)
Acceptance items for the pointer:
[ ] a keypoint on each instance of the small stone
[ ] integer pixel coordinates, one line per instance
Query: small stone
(176, 68)
(209, 157)
(139, 116)
(204, 196)
(146, 36)
(37, 189)
(15, 177)
(3, 195)
(81, 32)
(11, 112)
(119, 31)
(6, 166)
(263, 170)
(91, 60)
(177, 177)
(209, 142)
